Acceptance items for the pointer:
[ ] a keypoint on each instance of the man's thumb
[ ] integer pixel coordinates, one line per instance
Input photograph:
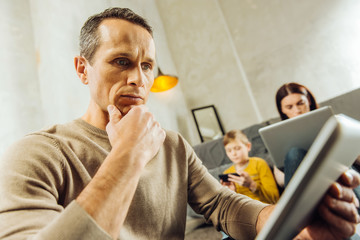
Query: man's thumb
(114, 113)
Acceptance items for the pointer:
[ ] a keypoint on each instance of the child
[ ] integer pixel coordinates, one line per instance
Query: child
(255, 177)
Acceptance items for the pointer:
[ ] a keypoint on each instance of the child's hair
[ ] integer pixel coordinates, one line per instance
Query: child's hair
(235, 135)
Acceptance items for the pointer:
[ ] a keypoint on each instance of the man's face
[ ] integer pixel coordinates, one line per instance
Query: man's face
(121, 72)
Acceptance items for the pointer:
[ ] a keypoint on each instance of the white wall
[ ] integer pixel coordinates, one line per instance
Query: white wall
(316, 43)
(39, 86)
(19, 91)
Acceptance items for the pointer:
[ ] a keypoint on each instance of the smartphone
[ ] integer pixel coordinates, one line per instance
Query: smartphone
(225, 177)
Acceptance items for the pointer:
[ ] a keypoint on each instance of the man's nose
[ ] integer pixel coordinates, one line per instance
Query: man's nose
(136, 77)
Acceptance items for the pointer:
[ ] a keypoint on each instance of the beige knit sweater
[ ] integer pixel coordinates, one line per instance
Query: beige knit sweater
(42, 174)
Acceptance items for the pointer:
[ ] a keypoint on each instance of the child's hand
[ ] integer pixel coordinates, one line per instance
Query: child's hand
(229, 185)
(247, 180)
(244, 180)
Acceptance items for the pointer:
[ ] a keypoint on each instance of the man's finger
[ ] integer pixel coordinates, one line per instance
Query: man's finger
(342, 193)
(114, 113)
(346, 209)
(338, 224)
(350, 178)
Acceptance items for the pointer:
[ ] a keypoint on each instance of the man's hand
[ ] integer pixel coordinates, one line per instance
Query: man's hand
(338, 211)
(138, 131)
(135, 139)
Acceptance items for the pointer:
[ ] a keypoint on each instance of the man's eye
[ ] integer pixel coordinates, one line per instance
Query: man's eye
(146, 66)
(122, 62)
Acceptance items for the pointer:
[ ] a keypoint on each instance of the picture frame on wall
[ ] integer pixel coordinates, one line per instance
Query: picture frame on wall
(208, 123)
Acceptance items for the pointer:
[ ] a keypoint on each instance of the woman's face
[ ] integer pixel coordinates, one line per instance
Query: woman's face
(294, 105)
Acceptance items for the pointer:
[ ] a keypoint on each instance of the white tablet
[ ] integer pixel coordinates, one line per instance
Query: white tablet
(299, 132)
(335, 149)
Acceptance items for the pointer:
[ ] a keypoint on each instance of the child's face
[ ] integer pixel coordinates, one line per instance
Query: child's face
(237, 151)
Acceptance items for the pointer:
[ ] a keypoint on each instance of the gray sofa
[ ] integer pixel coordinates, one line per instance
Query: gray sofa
(213, 154)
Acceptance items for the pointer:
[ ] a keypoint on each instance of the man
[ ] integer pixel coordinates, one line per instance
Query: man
(115, 173)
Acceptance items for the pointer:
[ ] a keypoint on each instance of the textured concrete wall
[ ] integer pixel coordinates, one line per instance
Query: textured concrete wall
(316, 43)
(205, 61)
(236, 54)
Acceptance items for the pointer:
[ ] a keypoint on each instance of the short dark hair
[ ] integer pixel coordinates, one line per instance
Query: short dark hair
(89, 36)
(289, 88)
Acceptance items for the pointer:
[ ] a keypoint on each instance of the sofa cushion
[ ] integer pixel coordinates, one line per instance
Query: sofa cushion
(212, 153)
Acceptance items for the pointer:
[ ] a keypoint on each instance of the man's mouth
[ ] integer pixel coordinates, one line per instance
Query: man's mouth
(131, 96)
(131, 99)
(126, 101)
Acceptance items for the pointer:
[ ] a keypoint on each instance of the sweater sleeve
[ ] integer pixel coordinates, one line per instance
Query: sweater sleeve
(233, 213)
(267, 188)
(32, 182)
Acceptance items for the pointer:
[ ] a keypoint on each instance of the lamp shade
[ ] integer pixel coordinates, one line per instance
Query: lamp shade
(163, 82)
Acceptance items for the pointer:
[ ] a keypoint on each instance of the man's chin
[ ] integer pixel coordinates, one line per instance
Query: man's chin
(125, 109)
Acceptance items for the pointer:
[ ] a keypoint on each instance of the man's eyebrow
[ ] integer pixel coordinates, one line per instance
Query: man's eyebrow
(121, 54)
(150, 60)
(129, 55)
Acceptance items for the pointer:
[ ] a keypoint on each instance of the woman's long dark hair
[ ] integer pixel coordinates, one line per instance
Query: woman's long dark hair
(289, 88)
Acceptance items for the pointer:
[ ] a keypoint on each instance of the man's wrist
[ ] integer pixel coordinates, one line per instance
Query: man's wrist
(263, 217)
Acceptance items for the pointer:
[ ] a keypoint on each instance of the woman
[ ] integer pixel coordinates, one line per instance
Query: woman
(292, 100)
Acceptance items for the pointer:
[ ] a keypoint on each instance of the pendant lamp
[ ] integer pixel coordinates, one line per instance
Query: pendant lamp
(163, 82)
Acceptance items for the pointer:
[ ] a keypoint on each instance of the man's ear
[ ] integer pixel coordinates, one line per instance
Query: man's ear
(80, 67)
